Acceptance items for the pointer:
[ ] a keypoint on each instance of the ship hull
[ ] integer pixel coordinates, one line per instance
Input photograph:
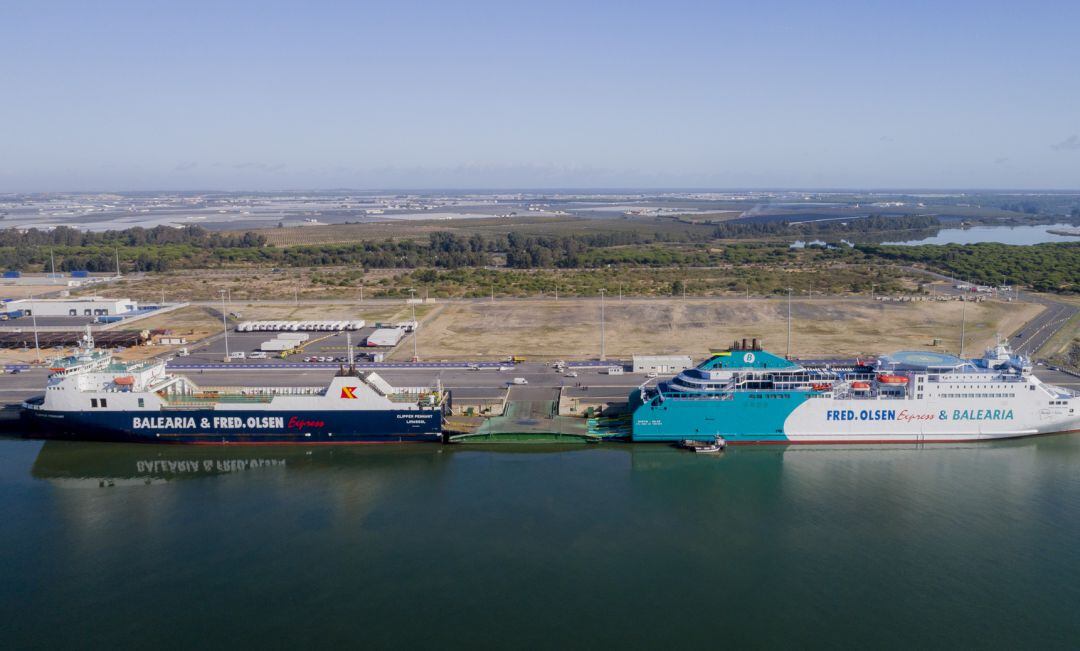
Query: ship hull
(240, 426)
(794, 419)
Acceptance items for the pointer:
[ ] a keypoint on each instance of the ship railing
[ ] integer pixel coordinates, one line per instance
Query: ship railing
(265, 391)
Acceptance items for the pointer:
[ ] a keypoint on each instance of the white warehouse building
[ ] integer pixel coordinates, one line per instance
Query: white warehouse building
(83, 306)
(665, 364)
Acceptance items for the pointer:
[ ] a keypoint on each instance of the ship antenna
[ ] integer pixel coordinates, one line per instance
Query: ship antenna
(88, 339)
(348, 347)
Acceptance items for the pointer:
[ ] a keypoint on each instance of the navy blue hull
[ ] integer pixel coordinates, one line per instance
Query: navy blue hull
(209, 426)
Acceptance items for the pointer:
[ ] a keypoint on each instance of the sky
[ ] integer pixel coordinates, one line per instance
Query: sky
(147, 95)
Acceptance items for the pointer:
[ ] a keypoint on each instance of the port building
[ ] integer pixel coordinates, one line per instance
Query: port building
(662, 363)
(82, 306)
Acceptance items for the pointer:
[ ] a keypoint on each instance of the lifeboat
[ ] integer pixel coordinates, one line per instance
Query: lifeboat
(860, 386)
(125, 380)
(892, 379)
(821, 387)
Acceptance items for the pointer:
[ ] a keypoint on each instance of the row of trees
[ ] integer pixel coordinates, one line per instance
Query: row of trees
(1052, 267)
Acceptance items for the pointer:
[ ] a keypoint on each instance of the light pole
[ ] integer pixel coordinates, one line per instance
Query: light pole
(963, 327)
(33, 316)
(412, 299)
(788, 323)
(603, 354)
(873, 296)
(224, 324)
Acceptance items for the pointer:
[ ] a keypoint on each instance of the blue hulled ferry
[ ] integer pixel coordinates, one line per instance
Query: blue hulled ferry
(92, 396)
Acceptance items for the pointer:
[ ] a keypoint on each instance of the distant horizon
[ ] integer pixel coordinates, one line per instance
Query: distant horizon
(564, 190)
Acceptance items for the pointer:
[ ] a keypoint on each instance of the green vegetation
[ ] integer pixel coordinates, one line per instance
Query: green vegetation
(686, 253)
(1052, 267)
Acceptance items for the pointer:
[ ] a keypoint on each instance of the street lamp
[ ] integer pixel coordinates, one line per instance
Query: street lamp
(224, 324)
(412, 301)
(603, 354)
(788, 323)
(33, 316)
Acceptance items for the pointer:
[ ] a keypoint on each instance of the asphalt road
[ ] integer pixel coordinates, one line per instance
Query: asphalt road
(1044, 326)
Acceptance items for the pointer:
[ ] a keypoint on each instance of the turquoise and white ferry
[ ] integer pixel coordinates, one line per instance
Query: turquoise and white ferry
(748, 395)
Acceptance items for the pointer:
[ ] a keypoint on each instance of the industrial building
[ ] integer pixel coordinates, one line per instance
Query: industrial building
(665, 364)
(83, 306)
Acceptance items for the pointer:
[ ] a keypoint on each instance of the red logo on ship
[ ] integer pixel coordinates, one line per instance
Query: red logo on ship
(348, 392)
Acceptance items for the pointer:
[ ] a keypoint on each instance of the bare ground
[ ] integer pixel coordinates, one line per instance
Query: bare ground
(821, 327)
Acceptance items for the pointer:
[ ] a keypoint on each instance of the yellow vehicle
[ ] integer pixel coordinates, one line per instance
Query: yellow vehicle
(517, 360)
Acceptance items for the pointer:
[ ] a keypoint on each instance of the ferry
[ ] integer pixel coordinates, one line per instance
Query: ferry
(90, 395)
(748, 395)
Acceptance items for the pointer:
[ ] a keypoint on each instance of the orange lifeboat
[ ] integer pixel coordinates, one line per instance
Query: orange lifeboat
(860, 386)
(125, 380)
(892, 379)
(821, 387)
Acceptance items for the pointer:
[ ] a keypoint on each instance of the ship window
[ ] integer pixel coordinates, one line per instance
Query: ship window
(104, 404)
(93, 402)
(141, 403)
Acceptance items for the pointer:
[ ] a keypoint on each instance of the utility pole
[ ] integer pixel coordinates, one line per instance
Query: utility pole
(117, 262)
(492, 292)
(556, 292)
(788, 355)
(52, 259)
(361, 293)
(963, 327)
(162, 298)
(620, 291)
(603, 354)
(224, 324)
(748, 291)
(296, 295)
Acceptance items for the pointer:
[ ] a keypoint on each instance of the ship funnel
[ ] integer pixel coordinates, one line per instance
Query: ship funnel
(743, 344)
(754, 343)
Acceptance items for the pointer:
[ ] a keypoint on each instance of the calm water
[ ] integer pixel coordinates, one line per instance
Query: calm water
(590, 547)
(1002, 234)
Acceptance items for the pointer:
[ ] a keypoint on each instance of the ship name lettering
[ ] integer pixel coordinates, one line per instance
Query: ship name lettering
(300, 423)
(982, 414)
(908, 416)
(162, 422)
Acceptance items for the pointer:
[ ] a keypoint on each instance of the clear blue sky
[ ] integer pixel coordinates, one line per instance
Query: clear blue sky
(283, 95)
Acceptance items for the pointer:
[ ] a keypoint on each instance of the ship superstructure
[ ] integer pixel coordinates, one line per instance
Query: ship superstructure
(91, 395)
(746, 394)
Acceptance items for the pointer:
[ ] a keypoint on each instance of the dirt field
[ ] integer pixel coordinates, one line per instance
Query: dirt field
(822, 327)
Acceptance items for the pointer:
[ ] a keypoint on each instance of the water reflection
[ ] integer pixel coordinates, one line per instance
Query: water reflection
(91, 465)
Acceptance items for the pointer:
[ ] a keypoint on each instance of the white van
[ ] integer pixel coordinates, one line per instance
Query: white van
(237, 355)
(520, 380)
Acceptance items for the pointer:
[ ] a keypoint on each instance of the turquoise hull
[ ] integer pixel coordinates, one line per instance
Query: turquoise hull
(743, 417)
